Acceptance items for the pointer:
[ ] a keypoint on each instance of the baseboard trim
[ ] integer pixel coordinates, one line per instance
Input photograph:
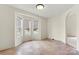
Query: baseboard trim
(5, 49)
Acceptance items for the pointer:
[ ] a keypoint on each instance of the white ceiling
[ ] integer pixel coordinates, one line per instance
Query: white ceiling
(50, 10)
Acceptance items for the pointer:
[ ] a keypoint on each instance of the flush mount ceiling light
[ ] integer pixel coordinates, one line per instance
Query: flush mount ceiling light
(39, 6)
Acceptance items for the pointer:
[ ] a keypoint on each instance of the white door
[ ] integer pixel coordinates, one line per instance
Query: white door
(18, 30)
(35, 30)
(27, 29)
(31, 29)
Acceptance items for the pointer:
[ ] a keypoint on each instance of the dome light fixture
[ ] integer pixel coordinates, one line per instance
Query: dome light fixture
(39, 6)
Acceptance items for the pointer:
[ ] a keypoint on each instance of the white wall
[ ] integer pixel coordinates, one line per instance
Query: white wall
(75, 9)
(71, 24)
(72, 21)
(6, 27)
(71, 18)
(44, 29)
(56, 28)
